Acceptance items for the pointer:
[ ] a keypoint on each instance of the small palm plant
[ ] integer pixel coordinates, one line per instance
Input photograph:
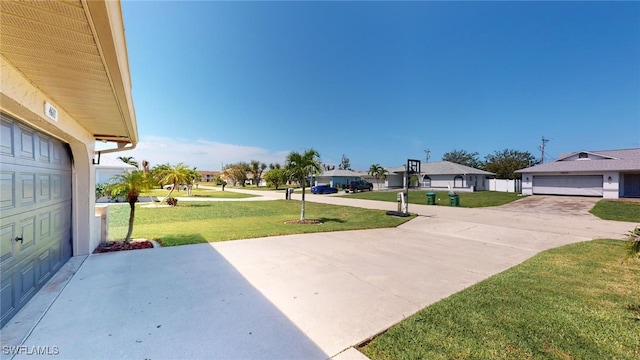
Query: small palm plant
(130, 185)
(175, 175)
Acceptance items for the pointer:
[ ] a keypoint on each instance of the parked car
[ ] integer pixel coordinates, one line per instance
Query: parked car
(358, 185)
(170, 186)
(323, 189)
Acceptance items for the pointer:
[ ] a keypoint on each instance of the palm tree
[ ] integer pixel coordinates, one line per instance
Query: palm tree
(299, 166)
(378, 172)
(176, 175)
(130, 184)
(128, 160)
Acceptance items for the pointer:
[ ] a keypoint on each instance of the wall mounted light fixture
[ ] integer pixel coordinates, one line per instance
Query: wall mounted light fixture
(609, 179)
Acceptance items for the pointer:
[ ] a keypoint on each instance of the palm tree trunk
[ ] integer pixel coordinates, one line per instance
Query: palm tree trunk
(302, 207)
(132, 214)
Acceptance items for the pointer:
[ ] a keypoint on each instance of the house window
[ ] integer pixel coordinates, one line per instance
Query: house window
(457, 181)
(426, 181)
(583, 155)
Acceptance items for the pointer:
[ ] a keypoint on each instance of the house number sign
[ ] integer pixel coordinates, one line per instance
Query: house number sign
(51, 111)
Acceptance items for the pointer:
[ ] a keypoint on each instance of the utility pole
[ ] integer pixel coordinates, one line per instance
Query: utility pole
(544, 142)
(427, 154)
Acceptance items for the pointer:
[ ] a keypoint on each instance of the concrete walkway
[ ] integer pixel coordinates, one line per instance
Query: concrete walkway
(308, 296)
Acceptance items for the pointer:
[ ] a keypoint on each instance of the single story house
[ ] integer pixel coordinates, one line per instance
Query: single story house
(110, 168)
(442, 175)
(336, 178)
(609, 174)
(64, 84)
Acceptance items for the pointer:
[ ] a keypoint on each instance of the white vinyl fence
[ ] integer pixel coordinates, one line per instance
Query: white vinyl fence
(505, 185)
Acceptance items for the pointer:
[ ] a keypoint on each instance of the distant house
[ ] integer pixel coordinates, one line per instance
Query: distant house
(610, 174)
(109, 168)
(337, 178)
(208, 176)
(441, 175)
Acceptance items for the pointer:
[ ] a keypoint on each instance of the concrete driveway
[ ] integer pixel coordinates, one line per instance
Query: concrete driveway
(287, 297)
(548, 204)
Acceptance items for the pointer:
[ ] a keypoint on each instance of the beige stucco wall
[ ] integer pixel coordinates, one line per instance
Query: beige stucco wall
(23, 100)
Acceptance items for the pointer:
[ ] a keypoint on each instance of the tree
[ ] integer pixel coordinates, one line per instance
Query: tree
(326, 167)
(299, 166)
(192, 178)
(257, 168)
(504, 163)
(175, 175)
(276, 176)
(378, 172)
(128, 160)
(463, 157)
(237, 172)
(344, 163)
(145, 166)
(130, 185)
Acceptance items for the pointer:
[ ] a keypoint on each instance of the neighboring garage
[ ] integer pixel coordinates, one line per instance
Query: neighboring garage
(65, 85)
(586, 185)
(610, 174)
(36, 212)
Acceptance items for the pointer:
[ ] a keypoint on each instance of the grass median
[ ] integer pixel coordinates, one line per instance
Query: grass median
(197, 222)
(579, 301)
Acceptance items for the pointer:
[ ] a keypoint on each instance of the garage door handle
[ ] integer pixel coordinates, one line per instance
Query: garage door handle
(19, 238)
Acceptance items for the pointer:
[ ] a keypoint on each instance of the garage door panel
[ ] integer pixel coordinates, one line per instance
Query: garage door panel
(26, 282)
(7, 302)
(27, 144)
(27, 232)
(583, 185)
(6, 138)
(7, 190)
(44, 152)
(44, 187)
(36, 206)
(44, 267)
(7, 236)
(27, 189)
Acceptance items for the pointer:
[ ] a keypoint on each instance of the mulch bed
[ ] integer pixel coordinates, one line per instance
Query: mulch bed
(112, 246)
(304, 222)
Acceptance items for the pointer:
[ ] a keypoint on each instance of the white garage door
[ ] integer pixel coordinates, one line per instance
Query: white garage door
(585, 185)
(35, 230)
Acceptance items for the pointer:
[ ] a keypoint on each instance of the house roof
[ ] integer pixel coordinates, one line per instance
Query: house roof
(443, 168)
(609, 160)
(109, 163)
(76, 53)
(343, 173)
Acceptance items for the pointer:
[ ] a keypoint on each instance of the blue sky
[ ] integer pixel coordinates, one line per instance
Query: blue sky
(220, 82)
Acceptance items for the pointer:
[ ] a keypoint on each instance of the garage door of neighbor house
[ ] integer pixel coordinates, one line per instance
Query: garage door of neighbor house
(632, 185)
(35, 226)
(585, 185)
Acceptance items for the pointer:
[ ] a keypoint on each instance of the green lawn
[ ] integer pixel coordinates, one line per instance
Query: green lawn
(618, 210)
(470, 200)
(579, 301)
(199, 192)
(196, 222)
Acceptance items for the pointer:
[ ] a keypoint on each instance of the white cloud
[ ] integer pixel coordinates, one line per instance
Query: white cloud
(202, 154)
